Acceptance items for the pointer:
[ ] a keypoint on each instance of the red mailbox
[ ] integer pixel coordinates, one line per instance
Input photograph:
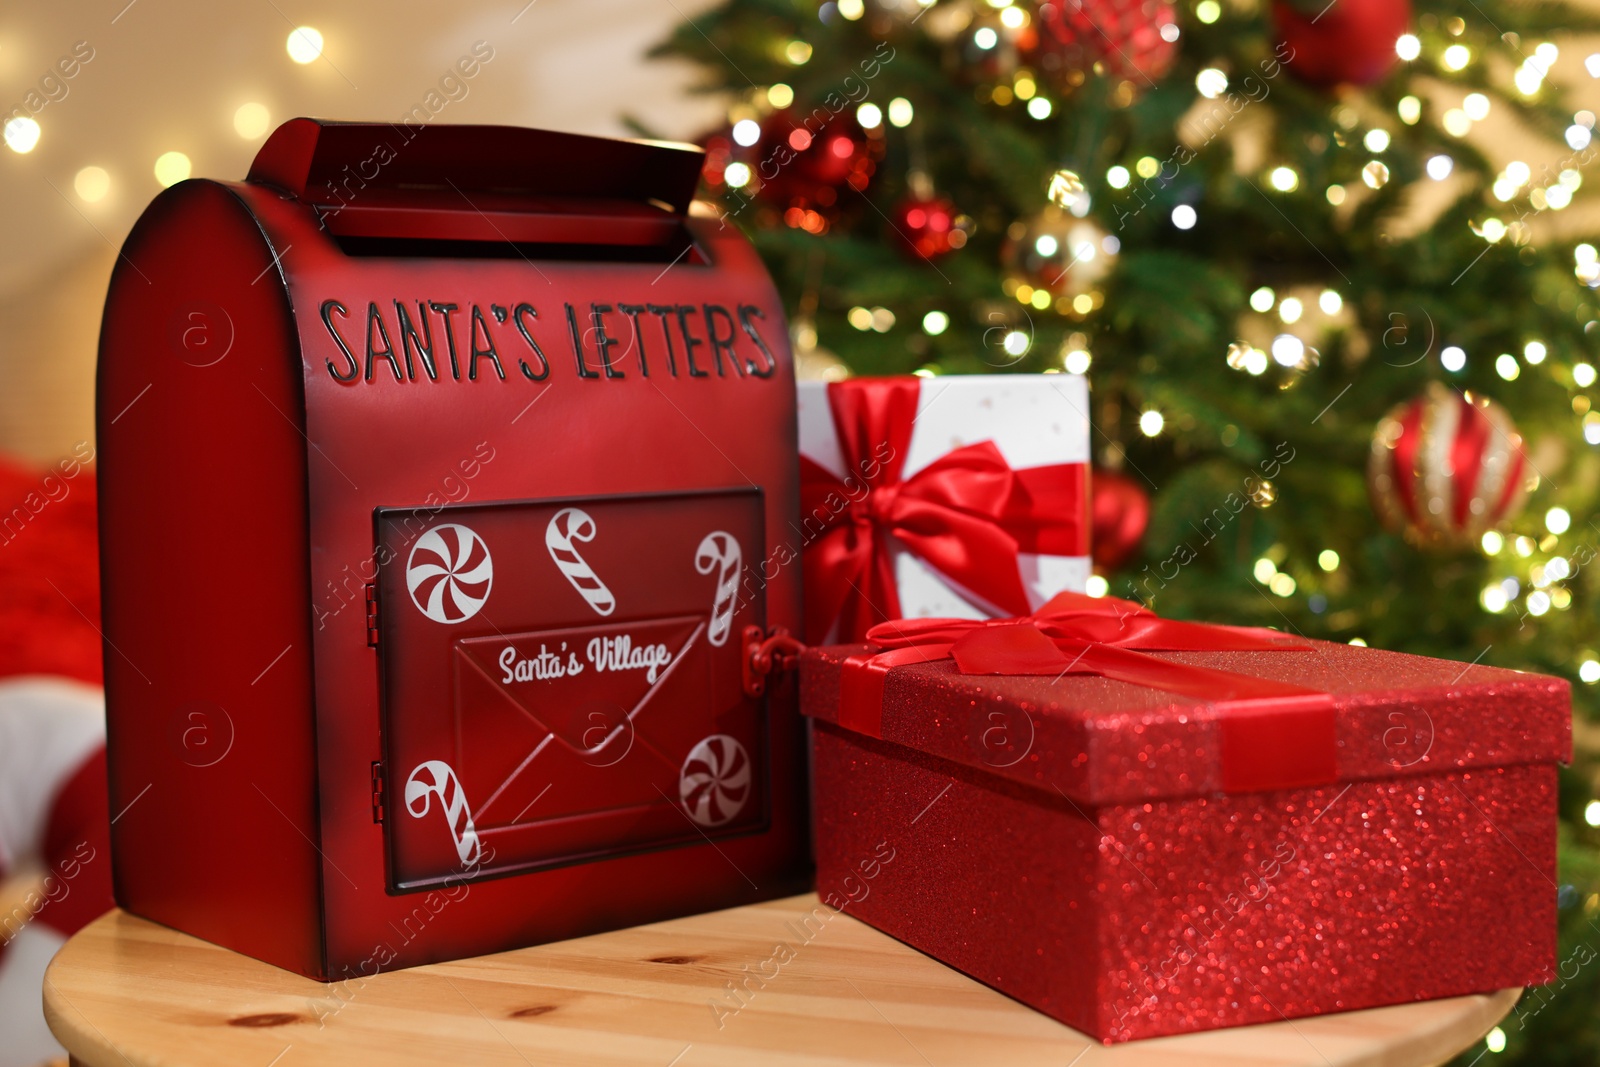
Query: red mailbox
(444, 470)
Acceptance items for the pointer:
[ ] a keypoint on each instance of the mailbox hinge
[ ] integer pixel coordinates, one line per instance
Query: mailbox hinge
(377, 791)
(766, 654)
(372, 615)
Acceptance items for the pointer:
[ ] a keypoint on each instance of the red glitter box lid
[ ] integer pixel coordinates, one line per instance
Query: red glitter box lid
(1103, 741)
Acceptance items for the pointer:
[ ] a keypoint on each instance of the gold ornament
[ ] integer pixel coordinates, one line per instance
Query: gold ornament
(1066, 192)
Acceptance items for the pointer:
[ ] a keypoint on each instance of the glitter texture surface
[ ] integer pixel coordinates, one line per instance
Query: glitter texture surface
(1064, 842)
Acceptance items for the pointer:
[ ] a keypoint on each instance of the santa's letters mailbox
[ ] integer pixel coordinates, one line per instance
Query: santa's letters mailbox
(443, 472)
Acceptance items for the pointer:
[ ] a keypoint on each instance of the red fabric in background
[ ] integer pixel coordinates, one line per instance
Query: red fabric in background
(49, 573)
(49, 614)
(77, 850)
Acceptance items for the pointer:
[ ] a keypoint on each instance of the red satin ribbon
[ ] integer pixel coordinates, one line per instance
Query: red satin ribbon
(1274, 735)
(967, 515)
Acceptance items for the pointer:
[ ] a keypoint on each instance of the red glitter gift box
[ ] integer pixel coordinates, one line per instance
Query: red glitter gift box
(1138, 840)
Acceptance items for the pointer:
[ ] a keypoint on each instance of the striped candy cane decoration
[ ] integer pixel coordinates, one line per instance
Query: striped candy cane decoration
(719, 551)
(436, 778)
(569, 525)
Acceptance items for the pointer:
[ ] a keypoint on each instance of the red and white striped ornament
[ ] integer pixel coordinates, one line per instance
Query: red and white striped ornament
(1446, 467)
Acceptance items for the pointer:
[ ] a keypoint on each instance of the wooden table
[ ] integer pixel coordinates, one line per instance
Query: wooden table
(128, 993)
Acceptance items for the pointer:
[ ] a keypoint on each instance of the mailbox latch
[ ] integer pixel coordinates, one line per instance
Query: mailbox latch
(766, 654)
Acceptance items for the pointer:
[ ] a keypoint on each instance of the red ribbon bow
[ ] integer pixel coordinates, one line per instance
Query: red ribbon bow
(1273, 734)
(967, 515)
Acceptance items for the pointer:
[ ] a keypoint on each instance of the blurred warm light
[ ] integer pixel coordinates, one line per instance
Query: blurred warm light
(251, 121)
(1288, 350)
(746, 132)
(304, 44)
(92, 183)
(172, 168)
(22, 133)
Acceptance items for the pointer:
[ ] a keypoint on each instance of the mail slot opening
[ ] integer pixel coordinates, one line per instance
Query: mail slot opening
(401, 191)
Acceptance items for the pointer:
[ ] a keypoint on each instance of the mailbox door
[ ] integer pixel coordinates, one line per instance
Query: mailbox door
(561, 681)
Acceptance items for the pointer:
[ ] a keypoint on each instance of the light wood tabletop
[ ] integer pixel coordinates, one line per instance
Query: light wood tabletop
(130, 993)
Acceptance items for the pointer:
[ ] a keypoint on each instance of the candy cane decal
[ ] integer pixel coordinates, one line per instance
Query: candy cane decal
(449, 573)
(720, 552)
(715, 780)
(435, 778)
(569, 525)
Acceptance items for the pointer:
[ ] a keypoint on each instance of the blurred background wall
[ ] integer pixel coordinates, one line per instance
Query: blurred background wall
(173, 75)
(209, 80)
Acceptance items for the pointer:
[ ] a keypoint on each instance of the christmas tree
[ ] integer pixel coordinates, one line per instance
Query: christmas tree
(1341, 348)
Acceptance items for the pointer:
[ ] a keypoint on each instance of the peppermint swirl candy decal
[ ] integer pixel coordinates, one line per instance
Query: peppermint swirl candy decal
(715, 780)
(449, 573)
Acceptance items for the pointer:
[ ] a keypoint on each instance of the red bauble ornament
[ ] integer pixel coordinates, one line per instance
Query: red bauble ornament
(720, 151)
(927, 224)
(803, 165)
(1446, 467)
(1350, 42)
(1119, 511)
(1132, 39)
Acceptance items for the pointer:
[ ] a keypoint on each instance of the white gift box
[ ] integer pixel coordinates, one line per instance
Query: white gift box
(1035, 420)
